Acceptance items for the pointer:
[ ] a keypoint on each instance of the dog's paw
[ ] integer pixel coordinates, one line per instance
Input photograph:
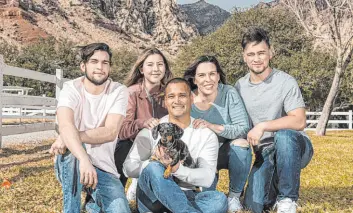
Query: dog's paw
(167, 172)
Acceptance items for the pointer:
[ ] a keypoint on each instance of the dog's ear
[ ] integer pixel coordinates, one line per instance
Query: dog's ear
(155, 131)
(178, 132)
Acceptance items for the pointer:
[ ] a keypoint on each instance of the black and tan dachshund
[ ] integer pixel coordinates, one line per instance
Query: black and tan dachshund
(175, 148)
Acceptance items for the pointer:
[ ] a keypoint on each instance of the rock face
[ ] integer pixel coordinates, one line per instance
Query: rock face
(270, 4)
(206, 17)
(136, 23)
(159, 20)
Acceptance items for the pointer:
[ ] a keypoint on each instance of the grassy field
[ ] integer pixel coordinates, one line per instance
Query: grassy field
(326, 184)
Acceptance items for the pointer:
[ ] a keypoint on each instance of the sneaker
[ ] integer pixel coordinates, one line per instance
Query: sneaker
(131, 191)
(234, 204)
(286, 205)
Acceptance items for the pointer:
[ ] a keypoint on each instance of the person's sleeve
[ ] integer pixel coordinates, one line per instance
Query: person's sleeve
(68, 97)
(131, 126)
(204, 173)
(239, 121)
(121, 102)
(293, 98)
(237, 86)
(138, 157)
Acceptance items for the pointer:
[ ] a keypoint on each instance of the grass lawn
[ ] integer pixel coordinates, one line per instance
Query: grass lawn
(326, 184)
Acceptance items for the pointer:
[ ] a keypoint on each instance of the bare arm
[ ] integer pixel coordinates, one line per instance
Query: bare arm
(104, 134)
(69, 133)
(295, 120)
(70, 136)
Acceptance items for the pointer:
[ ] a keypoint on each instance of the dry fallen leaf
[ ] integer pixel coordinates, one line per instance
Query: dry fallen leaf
(6, 184)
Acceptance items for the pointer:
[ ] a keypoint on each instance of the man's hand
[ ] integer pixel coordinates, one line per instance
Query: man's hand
(256, 133)
(150, 123)
(58, 147)
(88, 174)
(165, 159)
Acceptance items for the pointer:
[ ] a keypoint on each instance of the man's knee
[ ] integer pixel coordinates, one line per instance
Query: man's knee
(286, 138)
(217, 200)
(220, 202)
(119, 204)
(153, 169)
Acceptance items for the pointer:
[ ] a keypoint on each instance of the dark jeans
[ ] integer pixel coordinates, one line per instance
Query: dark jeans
(276, 171)
(121, 151)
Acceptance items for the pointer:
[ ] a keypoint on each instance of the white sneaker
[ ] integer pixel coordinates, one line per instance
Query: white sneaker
(286, 205)
(234, 204)
(131, 191)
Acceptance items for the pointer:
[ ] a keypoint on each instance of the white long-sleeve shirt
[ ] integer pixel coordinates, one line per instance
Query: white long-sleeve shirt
(202, 144)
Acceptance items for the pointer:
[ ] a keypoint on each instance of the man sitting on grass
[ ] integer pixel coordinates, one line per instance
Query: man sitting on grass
(90, 112)
(155, 193)
(277, 110)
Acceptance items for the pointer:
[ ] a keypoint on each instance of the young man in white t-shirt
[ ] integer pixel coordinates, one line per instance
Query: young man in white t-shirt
(90, 112)
(158, 194)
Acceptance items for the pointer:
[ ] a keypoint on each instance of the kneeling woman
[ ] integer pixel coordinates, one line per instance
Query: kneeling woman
(219, 107)
(145, 83)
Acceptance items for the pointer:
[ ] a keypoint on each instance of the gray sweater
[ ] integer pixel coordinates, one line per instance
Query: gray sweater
(228, 110)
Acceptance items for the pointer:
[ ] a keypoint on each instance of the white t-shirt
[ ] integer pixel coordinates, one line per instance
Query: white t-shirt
(202, 144)
(90, 112)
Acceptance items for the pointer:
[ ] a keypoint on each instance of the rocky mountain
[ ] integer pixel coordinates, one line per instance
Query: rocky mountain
(206, 17)
(133, 23)
(270, 4)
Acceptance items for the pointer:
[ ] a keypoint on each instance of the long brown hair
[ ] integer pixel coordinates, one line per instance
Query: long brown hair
(135, 76)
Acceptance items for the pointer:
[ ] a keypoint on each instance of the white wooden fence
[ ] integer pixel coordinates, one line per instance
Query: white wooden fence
(25, 106)
(345, 118)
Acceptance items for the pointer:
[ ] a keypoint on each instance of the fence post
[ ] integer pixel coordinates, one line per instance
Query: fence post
(350, 118)
(59, 86)
(2, 64)
(59, 83)
(44, 110)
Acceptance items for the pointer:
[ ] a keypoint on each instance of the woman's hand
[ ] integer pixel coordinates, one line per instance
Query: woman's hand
(200, 123)
(150, 123)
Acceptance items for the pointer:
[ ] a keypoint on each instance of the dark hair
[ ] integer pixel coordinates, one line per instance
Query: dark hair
(135, 76)
(88, 51)
(190, 72)
(255, 34)
(178, 80)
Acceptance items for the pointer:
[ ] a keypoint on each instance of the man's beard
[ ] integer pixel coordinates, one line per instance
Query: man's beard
(259, 72)
(94, 81)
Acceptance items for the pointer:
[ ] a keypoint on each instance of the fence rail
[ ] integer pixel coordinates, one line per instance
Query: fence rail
(27, 107)
(345, 118)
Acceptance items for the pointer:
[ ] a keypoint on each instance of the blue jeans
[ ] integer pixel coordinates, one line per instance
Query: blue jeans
(166, 191)
(109, 195)
(237, 160)
(276, 171)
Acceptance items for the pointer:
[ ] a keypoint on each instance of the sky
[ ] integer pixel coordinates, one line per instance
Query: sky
(227, 4)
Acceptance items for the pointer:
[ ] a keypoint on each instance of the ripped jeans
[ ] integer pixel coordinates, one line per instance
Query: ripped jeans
(109, 195)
